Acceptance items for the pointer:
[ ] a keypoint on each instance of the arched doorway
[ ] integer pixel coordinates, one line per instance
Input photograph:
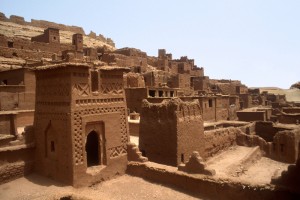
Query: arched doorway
(92, 149)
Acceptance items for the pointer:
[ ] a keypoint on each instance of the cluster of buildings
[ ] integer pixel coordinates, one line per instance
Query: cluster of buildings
(64, 112)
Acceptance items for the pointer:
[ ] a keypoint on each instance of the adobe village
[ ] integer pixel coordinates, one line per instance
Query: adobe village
(78, 113)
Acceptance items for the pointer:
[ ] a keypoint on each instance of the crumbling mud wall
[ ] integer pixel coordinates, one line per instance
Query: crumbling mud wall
(17, 156)
(285, 146)
(170, 131)
(219, 139)
(9, 172)
(206, 187)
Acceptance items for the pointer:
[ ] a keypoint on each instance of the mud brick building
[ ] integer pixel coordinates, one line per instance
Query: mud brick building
(80, 122)
(17, 89)
(170, 131)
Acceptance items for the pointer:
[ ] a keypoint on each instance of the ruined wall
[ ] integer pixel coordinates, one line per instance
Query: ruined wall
(18, 91)
(134, 97)
(276, 142)
(132, 80)
(17, 159)
(9, 172)
(218, 140)
(41, 23)
(250, 116)
(7, 124)
(245, 101)
(222, 107)
(266, 130)
(200, 83)
(208, 106)
(189, 131)
(203, 187)
(131, 52)
(285, 147)
(158, 139)
(21, 46)
(170, 131)
(10, 95)
(292, 118)
(291, 110)
(124, 61)
(134, 128)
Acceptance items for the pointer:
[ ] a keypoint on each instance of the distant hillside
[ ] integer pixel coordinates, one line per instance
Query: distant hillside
(291, 94)
(16, 26)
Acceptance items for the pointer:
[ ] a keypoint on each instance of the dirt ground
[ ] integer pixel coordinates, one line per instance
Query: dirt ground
(123, 187)
(259, 172)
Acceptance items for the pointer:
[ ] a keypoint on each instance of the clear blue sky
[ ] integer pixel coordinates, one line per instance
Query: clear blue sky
(255, 41)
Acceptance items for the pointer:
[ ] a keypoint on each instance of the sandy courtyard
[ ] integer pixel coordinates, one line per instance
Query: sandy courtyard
(123, 187)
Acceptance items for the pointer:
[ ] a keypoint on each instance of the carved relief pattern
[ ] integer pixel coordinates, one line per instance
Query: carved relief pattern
(78, 142)
(84, 102)
(117, 151)
(81, 89)
(112, 88)
(78, 134)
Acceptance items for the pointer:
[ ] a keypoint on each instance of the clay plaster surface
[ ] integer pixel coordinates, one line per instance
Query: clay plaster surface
(124, 187)
(259, 172)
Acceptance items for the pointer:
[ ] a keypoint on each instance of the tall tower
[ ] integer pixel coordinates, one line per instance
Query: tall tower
(80, 122)
(77, 40)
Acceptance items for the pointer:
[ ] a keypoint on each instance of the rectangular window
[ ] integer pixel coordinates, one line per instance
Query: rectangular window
(10, 44)
(210, 103)
(151, 93)
(160, 93)
(182, 158)
(172, 93)
(95, 81)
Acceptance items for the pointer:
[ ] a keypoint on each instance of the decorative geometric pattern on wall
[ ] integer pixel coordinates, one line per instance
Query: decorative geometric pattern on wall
(112, 88)
(79, 146)
(81, 89)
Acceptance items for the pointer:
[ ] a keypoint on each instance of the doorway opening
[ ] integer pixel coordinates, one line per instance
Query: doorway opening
(92, 149)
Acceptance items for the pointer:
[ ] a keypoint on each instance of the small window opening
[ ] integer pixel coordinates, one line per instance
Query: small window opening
(52, 146)
(10, 44)
(160, 93)
(182, 158)
(152, 93)
(210, 103)
(172, 93)
(94, 81)
(274, 146)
